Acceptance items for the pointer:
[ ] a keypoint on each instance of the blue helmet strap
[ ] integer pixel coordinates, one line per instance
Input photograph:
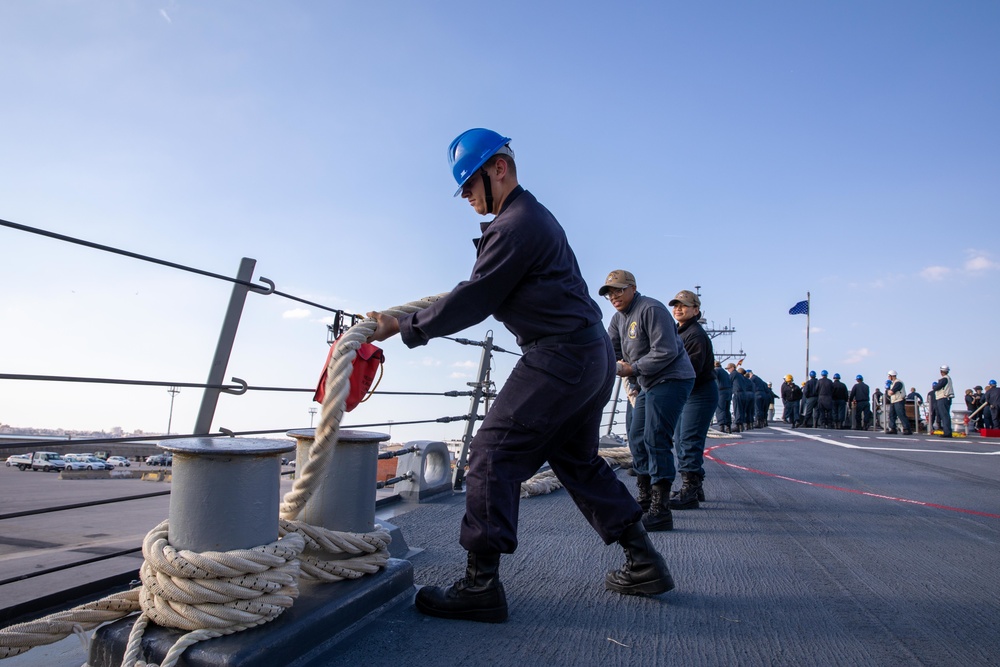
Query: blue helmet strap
(488, 190)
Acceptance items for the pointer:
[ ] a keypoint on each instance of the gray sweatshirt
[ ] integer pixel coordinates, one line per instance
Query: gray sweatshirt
(645, 336)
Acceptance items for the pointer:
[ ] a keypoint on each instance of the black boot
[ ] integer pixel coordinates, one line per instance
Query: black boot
(644, 485)
(658, 517)
(687, 497)
(644, 572)
(477, 597)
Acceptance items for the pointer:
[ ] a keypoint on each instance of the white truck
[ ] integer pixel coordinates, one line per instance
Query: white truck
(46, 461)
(22, 461)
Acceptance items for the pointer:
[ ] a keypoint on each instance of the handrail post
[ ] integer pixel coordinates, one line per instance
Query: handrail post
(614, 405)
(477, 394)
(224, 348)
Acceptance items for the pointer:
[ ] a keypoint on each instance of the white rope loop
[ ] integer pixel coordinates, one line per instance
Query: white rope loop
(212, 593)
(369, 552)
(190, 591)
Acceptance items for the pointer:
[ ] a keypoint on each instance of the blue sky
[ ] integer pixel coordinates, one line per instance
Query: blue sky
(760, 150)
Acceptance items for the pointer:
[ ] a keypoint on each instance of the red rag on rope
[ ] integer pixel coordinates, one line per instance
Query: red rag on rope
(366, 364)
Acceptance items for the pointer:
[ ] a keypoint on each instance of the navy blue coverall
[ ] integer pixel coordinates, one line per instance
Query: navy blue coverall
(724, 415)
(527, 277)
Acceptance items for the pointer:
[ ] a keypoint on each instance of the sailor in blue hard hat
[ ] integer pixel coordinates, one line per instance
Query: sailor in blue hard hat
(526, 275)
(824, 400)
(488, 154)
(840, 396)
(810, 413)
(860, 401)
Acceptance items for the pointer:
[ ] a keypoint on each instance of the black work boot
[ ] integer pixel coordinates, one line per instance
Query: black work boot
(687, 497)
(477, 597)
(658, 517)
(644, 484)
(644, 572)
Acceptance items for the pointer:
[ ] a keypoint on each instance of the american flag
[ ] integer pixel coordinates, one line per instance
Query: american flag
(801, 308)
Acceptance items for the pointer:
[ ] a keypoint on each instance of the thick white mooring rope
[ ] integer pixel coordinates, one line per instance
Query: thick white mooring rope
(212, 594)
(338, 384)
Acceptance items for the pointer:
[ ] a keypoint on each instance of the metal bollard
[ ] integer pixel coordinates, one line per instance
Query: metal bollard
(225, 492)
(226, 496)
(958, 423)
(304, 438)
(344, 499)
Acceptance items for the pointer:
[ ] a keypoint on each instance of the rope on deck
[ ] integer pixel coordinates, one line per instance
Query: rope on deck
(547, 482)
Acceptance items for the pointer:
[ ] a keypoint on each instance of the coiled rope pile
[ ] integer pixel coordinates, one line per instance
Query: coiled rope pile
(212, 594)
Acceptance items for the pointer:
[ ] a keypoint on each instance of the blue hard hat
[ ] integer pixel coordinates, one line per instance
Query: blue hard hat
(812, 374)
(993, 382)
(888, 383)
(859, 378)
(823, 373)
(470, 151)
(836, 376)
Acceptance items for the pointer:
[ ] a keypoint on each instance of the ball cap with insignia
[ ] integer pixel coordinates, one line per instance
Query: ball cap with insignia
(687, 298)
(619, 278)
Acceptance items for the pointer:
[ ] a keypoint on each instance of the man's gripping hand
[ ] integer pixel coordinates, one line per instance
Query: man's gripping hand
(387, 326)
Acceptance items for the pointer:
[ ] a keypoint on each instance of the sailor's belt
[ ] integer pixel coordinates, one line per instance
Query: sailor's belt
(591, 333)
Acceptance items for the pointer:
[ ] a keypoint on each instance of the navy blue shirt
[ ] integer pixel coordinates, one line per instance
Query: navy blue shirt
(722, 376)
(700, 351)
(525, 275)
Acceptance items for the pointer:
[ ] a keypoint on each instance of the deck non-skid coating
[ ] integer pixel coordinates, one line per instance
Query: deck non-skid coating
(833, 556)
(814, 547)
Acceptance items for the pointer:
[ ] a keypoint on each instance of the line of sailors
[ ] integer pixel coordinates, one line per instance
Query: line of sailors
(820, 402)
(748, 396)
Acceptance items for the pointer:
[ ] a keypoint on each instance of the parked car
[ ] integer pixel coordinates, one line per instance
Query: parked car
(76, 464)
(22, 461)
(119, 461)
(94, 463)
(159, 460)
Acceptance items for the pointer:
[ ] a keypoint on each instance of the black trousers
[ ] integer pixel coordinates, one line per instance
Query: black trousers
(548, 410)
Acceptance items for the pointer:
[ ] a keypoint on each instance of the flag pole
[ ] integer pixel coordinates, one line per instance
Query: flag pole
(808, 315)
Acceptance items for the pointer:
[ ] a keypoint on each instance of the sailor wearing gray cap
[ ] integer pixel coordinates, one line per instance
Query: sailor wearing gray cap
(696, 416)
(651, 356)
(686, 298)
(618, 280)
